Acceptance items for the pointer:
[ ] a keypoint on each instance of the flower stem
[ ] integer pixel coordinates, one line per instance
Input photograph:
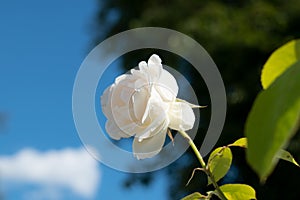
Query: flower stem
(203, 165)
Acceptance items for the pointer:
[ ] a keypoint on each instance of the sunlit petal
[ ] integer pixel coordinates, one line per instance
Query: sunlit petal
(140, 102)
(181, 116)
(143, 66)
(155, 67)
(167, 86)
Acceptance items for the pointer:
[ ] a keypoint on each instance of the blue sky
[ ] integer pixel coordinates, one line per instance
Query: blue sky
(42, 45)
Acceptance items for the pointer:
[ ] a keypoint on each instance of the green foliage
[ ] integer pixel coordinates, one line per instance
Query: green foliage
(238, 192)
(223, 22)
(274, 117)
(285, 155)
(279, 62)
(219, 162)
(242, 142)
(194, 196)
(281, 154)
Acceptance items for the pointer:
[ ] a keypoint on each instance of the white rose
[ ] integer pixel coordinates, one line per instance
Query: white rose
(143, 104)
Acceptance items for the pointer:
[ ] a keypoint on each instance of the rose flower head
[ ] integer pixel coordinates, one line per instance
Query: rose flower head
(143, 105)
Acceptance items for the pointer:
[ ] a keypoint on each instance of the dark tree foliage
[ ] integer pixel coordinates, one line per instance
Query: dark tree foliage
(239, 35)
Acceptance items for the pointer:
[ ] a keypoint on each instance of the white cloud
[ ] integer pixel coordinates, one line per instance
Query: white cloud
(72, 169)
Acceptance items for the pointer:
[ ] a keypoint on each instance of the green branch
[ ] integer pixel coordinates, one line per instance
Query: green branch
(204, 166)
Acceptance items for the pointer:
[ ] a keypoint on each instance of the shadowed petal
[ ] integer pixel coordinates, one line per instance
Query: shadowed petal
(158, 120)
(106, 102)
(181, 116)
(114, 131)
(149, 147)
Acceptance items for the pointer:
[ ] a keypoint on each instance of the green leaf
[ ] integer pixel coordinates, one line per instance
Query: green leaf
(219, 162)
(273, 120)
(285, 155)
(238, 192)
(242, 142)
(281, 154)
(279, 62)
(194, 196)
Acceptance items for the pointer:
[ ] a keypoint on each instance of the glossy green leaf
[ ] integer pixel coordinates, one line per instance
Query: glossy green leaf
(238, 192)
(273, 120)
(194, 196)
(219, 162)
(285, 155)
(242, 142)
(279, 62)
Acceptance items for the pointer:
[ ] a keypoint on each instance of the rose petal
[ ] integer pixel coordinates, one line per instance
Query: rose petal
(167, 86)
(124, 121)
(120, 104)
(154, 61)
(143, 66)
(149, 147)
(114, 131)
(125, 94)
(118, 96)
(181, 116)
(105, 102)
(156, 118)
(111, 127)
(152, 129)
(121, 78)
(140, 103)
(154, 68)
(153, 99)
